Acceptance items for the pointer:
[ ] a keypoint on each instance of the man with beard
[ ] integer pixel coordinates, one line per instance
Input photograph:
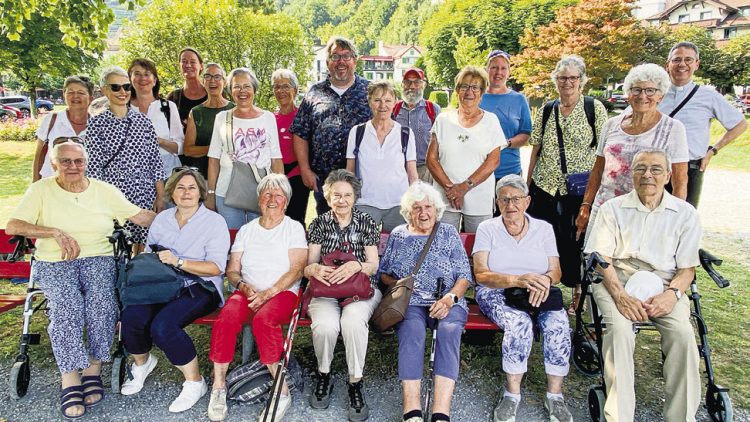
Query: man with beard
(329, 111)
(417, 114)
(695, 106)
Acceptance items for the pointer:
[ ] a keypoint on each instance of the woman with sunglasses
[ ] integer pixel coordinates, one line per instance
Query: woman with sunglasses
(200, 123)
(163, 114)
(123, 149)
(78, 92)
(192, 92)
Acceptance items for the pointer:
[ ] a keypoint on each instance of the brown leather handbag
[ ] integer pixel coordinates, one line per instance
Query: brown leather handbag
(392, 308)
(356, 288)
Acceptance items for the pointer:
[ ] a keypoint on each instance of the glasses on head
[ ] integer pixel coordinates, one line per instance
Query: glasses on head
(466, 87)
(118, 87)
(637, 91)
(282, 88)
(181, 168)
(686, 60)
(515, 200)
(345, 57)
(67, 162)
(62, 139)
(217, 77)
(565, 79)
(248, 87)
(655, 170)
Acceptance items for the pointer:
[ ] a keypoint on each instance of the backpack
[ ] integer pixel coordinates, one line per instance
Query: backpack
(251, 383)
(588, 108)
(429, 108)
(360, 134)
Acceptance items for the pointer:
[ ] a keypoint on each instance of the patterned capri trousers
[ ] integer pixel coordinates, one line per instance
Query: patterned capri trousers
(518, 335)
(80, 292)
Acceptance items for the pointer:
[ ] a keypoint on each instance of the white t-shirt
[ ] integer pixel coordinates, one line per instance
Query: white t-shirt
(382, 167)
(256, 141)
(163, 130)
(62, 127)
(462, 151)
(265, 253)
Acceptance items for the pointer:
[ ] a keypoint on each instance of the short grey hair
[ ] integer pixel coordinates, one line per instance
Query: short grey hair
(382, 85)
(654, 151)
(341, 175)
(212, 64)
(55, 154)
(684, 44)
(247, 72)
(342, 43)
(275, 180)
(574, 61)
(512, 181)
(647, 72)
(285, 74)
(84, 81)
(419, 191)
(112, 70)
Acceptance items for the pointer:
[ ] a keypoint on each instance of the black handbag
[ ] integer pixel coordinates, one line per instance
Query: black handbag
(518, 298)
(145, 280)
(575, 183)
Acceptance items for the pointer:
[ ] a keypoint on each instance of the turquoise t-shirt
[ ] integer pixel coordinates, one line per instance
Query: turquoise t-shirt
(512, 110)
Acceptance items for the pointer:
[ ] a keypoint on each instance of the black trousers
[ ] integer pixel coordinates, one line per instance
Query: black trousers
(561, 212)
(298, 204)
(694, 182)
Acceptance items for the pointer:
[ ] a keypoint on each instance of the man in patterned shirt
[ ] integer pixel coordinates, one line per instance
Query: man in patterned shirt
(329, 111)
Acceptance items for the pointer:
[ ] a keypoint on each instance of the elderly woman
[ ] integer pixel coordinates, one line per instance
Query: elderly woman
(192, 92)
(78, 92)
(383, 158)
(195, 240)
(464, 151)
(551, 200)
(265, 267)
(163, 114)
(285, 87)
(200, 123)
(639, 127)
(422, 206)
(516, 250)
(348, 229)
(123, 149)
(71, 215)
(254, 140)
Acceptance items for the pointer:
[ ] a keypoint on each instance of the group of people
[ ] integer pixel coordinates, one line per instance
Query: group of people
(171, 167)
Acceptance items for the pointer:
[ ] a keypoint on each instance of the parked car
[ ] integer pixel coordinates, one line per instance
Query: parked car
(745, 101)
(618, 101)
(22, 103)
(8, 113)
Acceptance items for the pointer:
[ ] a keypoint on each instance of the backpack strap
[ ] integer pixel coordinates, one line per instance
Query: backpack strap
(546, 112)
(404, 140)
(685, 101)
(588, 108)
(430, 109)
(359, 134)
(166, 111)
(397, 109)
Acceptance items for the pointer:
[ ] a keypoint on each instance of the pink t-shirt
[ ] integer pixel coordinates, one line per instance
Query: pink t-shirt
(286, 143)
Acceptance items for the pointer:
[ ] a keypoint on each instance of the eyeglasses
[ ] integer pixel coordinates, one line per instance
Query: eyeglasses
(62, 139)
(655, 170)
(67, 162)
(515, 200)
(282, 88)
(571, 79)
(466, 87)
(335, 196)
(649, 91)
(179, 169)
(217, 77)
(243, 87)
(118, 87)
(345, 57)
(686, 60)
(414, 83)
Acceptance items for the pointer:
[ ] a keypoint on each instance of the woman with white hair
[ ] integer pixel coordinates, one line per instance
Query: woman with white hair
(573, 126)
(422, 206)
(639, 127)
(516, 250)
(247, 134)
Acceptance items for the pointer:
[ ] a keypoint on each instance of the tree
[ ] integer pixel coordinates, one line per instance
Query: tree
(82, 23)
(407, 20)
(224, 33)
(737, 52)
(603, 32)
(468, 52)
(39, 55)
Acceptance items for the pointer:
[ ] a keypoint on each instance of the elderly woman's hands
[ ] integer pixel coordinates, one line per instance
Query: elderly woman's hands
(456, 193)
(538, 287)
(68, 245)
(343, 272)
(167, 257)
(440, 308)
(257, 299)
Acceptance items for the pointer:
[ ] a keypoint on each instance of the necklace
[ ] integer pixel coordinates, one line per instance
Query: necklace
(523, 227)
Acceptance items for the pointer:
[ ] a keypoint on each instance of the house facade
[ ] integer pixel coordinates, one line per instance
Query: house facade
(724, 19)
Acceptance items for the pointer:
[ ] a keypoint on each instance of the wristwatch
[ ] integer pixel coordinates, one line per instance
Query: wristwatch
(713, 148)
(676, 291)
(211, 191)
(455, 298)
(469, 183)
(180, 263)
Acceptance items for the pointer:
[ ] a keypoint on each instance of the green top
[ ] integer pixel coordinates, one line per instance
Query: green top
(204, 122)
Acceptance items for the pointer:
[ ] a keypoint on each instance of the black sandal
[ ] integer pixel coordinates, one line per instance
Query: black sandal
(90, 385)
(70, 397)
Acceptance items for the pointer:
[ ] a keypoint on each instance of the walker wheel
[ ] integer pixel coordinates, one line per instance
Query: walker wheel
(596, 403)
(20, 375)
(119, 371)
(718, 404)
(585, 356)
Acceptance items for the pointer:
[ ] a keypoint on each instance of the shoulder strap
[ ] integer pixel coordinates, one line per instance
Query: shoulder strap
(52, 121)
(425, 249)
(560, 142)
(230, 139)
(397, 109)
(404, 140)
(546, 112)
(119, 147)
(588, 108)
(430, 109)
(167, 112)
(685, 101)
(358, 136)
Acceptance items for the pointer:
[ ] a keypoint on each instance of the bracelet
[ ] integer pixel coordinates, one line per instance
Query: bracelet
(713, 148)
(211, 191)
(586, 203)
(549, 278)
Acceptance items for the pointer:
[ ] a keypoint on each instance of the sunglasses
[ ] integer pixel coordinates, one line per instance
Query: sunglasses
(179, 169)
(62, 139)
(118, 87)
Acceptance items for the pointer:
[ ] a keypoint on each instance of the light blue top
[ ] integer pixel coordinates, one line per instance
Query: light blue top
(419, 122)
(204, 237)
(512, 110)
(696, 115)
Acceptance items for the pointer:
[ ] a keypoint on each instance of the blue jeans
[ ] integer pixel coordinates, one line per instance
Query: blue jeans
(234, 217)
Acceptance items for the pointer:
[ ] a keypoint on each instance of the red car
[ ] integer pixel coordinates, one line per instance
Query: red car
(8, 113)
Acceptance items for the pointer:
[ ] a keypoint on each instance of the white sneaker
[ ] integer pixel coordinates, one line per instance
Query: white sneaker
(217, 406)
(192, 391)
(285, 402)
(140, 373)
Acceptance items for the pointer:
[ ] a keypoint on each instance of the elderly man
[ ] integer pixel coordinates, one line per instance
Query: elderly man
(417, 114)
(695, 106)
(651, 239)
(325, 117)
(511, 108)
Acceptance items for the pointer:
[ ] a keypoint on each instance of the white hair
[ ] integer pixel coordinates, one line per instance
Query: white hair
(285, 74)
(55, 154)
(654, 151)
(648, 72)
(512, 181)
(112, 70)
(419, 191)
(576, 62)
(276, 180)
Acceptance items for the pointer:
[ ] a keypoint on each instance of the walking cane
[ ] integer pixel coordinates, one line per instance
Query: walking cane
(278, 379)
(430, 382)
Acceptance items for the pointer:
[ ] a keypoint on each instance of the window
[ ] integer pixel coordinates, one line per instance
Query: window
(706, 15)
(730, 33)
(405, 60)
(368, 75)
(745, 11)
(695, 6)
(683, 18)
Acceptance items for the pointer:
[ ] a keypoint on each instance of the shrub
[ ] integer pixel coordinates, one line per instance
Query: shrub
(440, 98)
(20, 130)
